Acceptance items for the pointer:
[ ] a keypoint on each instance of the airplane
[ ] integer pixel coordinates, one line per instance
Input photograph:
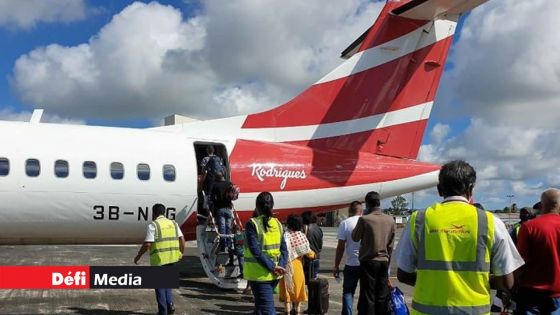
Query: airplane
(357, 129)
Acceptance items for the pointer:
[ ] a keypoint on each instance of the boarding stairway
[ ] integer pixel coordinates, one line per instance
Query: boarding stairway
(215, 263)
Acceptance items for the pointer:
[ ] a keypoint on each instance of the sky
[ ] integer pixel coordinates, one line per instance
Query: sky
(125, 63)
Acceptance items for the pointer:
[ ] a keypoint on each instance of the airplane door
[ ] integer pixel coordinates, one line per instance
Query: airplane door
(200, 149)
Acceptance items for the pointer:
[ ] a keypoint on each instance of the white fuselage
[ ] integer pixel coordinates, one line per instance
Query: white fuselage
(47, 209)
(75, 209)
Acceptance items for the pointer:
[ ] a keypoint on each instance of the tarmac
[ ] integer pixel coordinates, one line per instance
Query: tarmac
(195, 296)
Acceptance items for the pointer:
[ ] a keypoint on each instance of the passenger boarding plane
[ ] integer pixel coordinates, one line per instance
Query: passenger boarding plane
(357, 129)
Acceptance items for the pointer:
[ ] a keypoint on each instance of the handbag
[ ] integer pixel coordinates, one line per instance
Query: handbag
(397, 302)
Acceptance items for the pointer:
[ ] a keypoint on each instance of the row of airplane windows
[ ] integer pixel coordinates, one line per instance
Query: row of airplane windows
(89, 169)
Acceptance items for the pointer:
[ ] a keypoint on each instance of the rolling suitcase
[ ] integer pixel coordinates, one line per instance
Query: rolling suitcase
(318, 290)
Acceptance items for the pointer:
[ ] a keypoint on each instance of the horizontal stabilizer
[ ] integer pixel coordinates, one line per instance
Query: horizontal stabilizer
(355, 46)
(430, 9)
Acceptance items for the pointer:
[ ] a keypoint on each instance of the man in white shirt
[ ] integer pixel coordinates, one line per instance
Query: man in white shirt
(166, 244)
(352, 249)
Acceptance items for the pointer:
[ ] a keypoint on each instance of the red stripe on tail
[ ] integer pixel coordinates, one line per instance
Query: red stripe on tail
(369, 88)
(392, 86)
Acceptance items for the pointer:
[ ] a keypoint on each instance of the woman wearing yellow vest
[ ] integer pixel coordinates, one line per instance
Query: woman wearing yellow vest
(265, 254)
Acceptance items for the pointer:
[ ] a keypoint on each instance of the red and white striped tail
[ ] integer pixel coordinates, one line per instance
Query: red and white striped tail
(379, 100)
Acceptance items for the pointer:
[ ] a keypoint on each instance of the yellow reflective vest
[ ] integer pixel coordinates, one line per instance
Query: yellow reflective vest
(453, 242)
(270, 241)
(516, 228)
(165, 248)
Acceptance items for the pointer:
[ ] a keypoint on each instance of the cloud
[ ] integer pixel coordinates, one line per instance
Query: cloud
(506, 65)
(234, 57)
(27, 13)
(439, 132)
(507, 159)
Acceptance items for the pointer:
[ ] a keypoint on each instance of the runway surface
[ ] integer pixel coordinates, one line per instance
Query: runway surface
(195, 296)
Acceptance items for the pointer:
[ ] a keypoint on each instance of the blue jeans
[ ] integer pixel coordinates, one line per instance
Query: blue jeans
(349, 284)
(531, 302)
(225, 218)
(263, 292)
(241, 260)
(164, 298)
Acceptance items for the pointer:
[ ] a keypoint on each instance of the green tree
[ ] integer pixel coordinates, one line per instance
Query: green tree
(399, 205)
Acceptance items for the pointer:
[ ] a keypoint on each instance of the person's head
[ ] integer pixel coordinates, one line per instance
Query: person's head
(356, 208)
(157, 210)
(550, 201)
(537, 207)
(373, 200)
(220, 177)
(478, 206)
(526, 214)
(210, 149)
(264, 205)
(294, 223)
(235, 228)
(307, 217)
(456, 178)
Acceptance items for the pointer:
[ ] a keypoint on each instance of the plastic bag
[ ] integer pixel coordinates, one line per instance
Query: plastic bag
(397, 302)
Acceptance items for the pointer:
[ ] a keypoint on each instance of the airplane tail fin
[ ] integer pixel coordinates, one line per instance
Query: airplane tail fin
(380, 98)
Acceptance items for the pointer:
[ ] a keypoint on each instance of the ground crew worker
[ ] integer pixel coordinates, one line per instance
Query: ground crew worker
(166, 244)
(265, 254)
(448, 251)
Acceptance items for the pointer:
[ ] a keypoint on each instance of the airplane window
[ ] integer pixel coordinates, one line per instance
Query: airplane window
(90, 169)
(169, 173)
(4, 167)
(143, 171)
(61, 168)
(32, 167)
(117, 170)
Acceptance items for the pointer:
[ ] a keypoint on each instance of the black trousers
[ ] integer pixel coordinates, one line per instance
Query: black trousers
(374, 288)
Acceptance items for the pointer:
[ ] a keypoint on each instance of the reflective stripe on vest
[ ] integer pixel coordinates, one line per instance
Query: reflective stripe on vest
(270, 242)
(444, 310)
(165, 248)
(453, 264)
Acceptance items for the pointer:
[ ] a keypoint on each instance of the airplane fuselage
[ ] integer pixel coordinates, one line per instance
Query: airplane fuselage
(86, 203)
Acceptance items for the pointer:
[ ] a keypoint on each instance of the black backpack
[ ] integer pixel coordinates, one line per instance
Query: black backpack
(214, 167)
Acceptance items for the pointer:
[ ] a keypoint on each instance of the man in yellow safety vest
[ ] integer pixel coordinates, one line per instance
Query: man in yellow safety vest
(166, 244)
(453, 253)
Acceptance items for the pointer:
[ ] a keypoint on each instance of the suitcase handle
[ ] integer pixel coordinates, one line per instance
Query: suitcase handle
(311, 268)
